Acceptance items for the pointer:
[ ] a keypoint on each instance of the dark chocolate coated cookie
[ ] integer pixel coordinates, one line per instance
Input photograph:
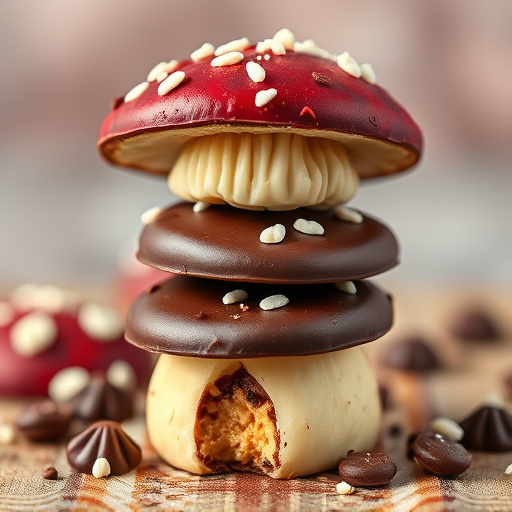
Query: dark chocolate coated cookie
(187, 316)
(223, 242)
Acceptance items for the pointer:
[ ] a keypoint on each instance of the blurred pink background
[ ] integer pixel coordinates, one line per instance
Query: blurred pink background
(65, 215)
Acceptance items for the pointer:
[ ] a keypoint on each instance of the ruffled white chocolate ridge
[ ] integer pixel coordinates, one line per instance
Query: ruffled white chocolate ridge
(316, 409)
(280, 171)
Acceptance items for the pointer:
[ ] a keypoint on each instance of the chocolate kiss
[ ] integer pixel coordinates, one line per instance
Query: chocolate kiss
(488, 429)
(99, 400)
(104, 439)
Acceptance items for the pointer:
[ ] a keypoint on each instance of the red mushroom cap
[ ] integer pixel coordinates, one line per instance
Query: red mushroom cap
(314, 97)
(40, 338)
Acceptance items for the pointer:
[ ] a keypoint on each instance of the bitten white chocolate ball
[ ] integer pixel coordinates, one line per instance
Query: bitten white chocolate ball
(284, 417)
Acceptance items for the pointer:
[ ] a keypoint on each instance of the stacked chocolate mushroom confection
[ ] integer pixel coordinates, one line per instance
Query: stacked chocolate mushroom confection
(258, 332)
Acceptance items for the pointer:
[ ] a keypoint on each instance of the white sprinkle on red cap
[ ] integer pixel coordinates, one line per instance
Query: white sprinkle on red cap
(238, 45)
(286, 37)
(310, 47)
(160, 68)
(275, 46)
(368, 74)
(227, 59)
(255, 71)
(32, 334)
(136, 91)
(206, 50)
(100, 322)
(263, 97)
(68, 383)
(349, 64)
(121, 375)
(200, 206)
(171, 82)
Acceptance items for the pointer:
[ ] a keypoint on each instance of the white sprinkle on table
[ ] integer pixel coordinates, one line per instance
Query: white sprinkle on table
(171, 82)
(273, 234)
(346, 286)
(101, 468)
(344, 489)
(238, 45)
(227, 59)
(149, 216)
(347, 214)
(368, 74)
(349, 65)
(447, 428)
(32, 334)
(206, 50)
(234, 296)
(263, 97)
(308, 227)
(200, 206)
(255, 71)
(274, 302)
(134, 93)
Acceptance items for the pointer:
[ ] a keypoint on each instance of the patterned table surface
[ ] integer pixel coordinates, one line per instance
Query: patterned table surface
(468, 374)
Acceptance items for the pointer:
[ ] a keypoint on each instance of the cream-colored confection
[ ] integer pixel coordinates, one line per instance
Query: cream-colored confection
(284, 417)
(275, 171)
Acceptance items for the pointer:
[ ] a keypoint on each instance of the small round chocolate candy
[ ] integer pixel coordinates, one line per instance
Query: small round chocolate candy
(187, 316)
(223, 242)
(475, 324)
(440, 455)
(367, 469)
(44, 420)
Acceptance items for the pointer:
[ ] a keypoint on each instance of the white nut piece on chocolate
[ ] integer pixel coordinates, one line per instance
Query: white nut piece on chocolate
(348, 214)
(273, 234)
(274, 302)
(346, 286)
(344, 489)
(67, 383)
(149, 216)
(100, 468)
(448, 428)
(234, 296)
(308, 227)
(121, 375)
(306, 413)
(100, 322)
(32, 334)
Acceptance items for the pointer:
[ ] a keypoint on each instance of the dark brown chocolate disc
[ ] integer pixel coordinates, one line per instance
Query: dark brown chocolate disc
(223, 242)
(367, 469)
(186, 316)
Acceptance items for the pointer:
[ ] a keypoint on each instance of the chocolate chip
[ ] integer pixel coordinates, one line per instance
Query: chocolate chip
(475, 324)
(440, 455)
(44, 421)
(384, 396)
(100, 400)
(367, 469)
(488, 429)
(106, 440)
(411, 354)
(50, 473)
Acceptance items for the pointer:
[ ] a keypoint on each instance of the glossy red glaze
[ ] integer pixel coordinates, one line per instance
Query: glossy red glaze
(30, 376)
(314, 97)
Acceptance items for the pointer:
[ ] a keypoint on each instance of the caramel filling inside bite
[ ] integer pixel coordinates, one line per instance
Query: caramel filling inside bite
(275, 171)
(236, 425)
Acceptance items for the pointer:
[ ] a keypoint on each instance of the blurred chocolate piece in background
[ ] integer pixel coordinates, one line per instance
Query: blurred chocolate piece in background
(413, 354)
